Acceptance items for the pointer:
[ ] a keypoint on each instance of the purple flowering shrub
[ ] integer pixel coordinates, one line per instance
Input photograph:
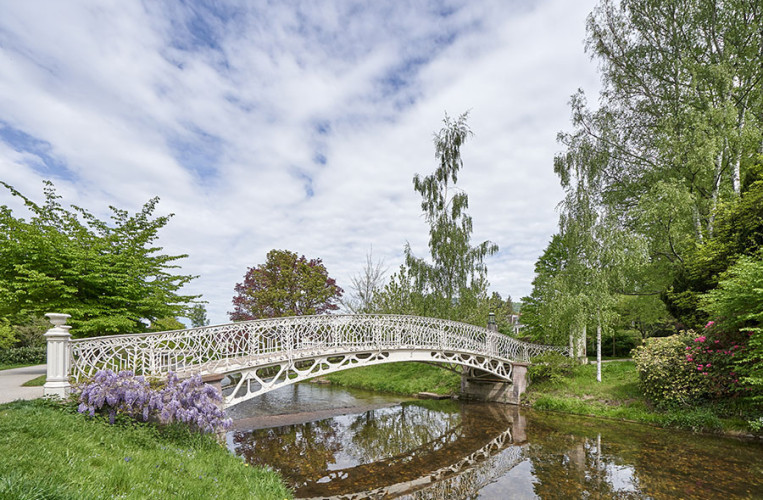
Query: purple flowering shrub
(189, 401)
(118, 393)
(192, 402)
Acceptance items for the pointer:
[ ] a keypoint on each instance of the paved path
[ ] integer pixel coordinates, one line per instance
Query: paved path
(11, 380)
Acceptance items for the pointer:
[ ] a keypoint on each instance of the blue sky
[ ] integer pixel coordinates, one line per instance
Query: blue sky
(293, 125)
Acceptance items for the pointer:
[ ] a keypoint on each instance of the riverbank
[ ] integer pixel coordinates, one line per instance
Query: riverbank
(616, 397)
(406, 379)
(51, 451)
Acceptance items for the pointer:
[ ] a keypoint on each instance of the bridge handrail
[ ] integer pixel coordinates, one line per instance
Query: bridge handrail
(159, 352)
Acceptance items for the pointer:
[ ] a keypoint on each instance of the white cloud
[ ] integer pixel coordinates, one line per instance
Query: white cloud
(293, 127)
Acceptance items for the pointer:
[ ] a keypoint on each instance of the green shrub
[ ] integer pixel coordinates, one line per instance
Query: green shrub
(551, 366)
(7, 336)
(665, 376)
(23, 356)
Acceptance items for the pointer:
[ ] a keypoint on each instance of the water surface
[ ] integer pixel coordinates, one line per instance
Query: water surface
(387, 448)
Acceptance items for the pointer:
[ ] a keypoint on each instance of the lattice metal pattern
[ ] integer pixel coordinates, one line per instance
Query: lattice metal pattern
(270, 375)
(235, 346)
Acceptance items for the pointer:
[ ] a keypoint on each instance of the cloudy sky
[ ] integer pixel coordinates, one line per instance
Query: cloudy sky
(293, 125)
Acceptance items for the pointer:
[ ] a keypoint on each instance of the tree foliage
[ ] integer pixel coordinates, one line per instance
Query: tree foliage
(109, 276)
(739, 232)
(456, 265)
(198, 315)
(285, 285)
(453, 284)
(665, 165)
(737, 303)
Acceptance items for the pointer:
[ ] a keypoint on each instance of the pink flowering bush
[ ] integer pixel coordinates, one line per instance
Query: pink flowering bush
(189, 401)
(714, 355)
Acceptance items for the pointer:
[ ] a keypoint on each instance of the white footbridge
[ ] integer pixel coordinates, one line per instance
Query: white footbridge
(263, 355)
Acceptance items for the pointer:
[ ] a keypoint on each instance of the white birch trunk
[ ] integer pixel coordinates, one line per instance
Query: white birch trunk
(598, 347)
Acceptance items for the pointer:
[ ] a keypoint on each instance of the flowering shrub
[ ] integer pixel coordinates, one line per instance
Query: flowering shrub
(666, 377)
(714, 355)
(190, 401)
(118, 393)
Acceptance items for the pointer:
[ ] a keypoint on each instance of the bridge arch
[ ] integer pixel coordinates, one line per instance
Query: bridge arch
(271, 353)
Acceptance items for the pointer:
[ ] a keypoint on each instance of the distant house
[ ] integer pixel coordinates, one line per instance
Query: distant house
(515, 323)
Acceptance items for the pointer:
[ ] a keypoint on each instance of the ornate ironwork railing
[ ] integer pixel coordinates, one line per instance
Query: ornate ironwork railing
(213, 349)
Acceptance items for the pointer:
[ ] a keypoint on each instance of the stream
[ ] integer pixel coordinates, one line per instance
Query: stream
(332, 442)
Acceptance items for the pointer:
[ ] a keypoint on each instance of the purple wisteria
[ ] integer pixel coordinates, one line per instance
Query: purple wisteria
(189, 401)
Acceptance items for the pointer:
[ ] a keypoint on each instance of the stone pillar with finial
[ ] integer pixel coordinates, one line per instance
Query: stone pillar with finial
(59, 357)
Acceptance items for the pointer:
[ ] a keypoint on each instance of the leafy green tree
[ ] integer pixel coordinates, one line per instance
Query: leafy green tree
(672, 144)
(198, 315)
(739, 232)
(166, 325)
(109, 276)
(285, 285)
(456, 264)
(7, 335)
(453, 285)
(548, 311)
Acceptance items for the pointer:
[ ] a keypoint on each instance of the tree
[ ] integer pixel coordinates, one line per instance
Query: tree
(109, 276)
(455, 263)
(285, 285)
(198, 315)
(457, 273)
(365, 286)
(739, 232)
(649, 174)
(678, 129)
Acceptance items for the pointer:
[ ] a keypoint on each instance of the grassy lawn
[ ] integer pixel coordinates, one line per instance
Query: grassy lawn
(49, 451)
(9, 366)
(35, 382)
(618, 396)
(399, 378)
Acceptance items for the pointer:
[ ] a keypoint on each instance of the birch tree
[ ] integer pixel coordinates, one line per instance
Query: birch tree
(457, 268)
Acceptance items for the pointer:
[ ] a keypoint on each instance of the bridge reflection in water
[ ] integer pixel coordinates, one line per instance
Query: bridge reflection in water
(410, 450)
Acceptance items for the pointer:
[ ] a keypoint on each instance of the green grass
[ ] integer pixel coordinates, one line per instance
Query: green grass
(5, 366)
(35, 382)
(50, 451)
(618, 396)
(399, 378)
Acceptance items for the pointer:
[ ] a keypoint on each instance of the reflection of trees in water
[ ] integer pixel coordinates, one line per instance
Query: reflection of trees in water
(568, 466)
(301, 451)
(380, 434)
(635, 461)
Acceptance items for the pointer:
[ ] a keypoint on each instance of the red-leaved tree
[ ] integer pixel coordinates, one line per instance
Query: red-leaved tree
(285, 285)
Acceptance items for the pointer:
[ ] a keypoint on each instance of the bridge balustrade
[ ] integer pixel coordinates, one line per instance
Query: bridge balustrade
(246, 344)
